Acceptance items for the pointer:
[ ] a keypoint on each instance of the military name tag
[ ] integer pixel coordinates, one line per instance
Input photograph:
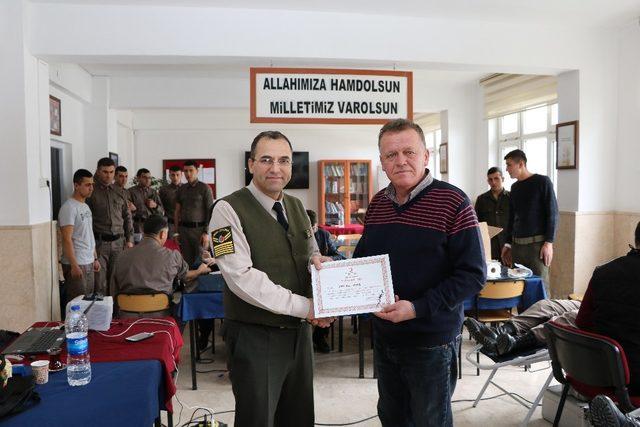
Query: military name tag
(222, 242)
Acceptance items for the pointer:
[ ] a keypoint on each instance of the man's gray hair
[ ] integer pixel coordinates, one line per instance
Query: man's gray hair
(398, 125)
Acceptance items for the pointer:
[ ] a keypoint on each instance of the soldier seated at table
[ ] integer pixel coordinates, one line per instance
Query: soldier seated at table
(150, 268)
(525, 331)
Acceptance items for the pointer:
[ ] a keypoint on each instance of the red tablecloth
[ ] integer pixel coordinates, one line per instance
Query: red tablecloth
(343, 229)
(172, 244)
(163, 346)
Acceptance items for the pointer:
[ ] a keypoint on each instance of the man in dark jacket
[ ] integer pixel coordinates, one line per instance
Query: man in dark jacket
(610, 306)
(492, 207)
(430, 232)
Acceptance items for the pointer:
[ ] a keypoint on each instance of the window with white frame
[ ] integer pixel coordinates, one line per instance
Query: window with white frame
(533, 131)
(433, 140)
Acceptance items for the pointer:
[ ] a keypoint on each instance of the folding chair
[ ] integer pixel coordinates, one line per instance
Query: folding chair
(521, 359)
(591, 364)
(146, 305)
(494, 290)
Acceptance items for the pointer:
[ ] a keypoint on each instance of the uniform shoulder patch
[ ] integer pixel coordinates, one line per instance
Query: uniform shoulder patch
(222, 242)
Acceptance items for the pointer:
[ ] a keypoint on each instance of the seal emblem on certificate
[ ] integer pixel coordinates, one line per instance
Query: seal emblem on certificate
(352, 286)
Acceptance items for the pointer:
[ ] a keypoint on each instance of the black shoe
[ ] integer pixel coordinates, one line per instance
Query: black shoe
(604, 413)
(321, 346)
(483, 335)
(507, 343)
(506, 328)
(479, 329)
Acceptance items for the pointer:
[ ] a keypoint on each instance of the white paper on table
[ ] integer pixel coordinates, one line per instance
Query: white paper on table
(208, 175)
(352, 286)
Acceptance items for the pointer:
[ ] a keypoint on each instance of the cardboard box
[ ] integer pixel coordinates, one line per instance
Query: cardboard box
(488, 232)
(574, 413)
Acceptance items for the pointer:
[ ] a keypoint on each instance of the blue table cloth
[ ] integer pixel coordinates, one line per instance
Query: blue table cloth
(119, 394)
(534, 291)
(201, 305)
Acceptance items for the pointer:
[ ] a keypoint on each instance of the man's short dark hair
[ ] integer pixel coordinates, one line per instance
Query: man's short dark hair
(398, 125)
(141, 171)
(81, 174)
(269, 134)
(175, 168)
(120, 169)
(638, 235)
(516, 156)
(190, 163)
(155, 224)
(313, 216)
(105, 162)
(493, 170)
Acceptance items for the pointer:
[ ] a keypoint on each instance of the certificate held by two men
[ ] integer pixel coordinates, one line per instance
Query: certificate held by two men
(352, 286)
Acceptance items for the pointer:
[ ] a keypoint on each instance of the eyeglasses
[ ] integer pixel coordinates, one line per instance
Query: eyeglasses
(269, 161)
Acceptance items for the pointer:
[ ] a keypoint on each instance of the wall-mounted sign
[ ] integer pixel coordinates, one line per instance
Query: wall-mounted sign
(317, 95)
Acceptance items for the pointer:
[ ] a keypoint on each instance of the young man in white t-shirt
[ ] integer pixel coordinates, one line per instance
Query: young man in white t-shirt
(78, 243)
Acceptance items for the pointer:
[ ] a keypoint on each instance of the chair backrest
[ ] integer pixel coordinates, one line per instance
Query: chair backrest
(589, 362)
(143, 303)
(502, 290)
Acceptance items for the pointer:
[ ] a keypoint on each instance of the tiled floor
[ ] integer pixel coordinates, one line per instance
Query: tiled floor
(341, 397)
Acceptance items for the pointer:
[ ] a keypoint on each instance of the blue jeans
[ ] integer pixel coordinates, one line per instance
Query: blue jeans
(415, 384)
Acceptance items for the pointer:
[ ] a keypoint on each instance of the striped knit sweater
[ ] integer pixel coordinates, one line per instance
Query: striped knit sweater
(436, 256)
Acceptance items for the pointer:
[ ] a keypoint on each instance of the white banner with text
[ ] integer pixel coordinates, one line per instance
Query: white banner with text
(297, 95)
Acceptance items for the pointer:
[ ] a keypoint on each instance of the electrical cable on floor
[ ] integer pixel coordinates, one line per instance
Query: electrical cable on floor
(495, 397)
(348, 424)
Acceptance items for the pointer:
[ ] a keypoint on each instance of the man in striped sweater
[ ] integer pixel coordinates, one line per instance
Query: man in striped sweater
(430, 231)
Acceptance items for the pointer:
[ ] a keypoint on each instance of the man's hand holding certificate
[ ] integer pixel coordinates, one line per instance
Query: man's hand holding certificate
(353, 286)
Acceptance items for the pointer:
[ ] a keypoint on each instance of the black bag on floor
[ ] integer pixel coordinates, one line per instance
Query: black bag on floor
(19, 394)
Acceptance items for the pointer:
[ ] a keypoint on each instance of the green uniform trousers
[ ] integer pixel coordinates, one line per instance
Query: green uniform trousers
(529, 256)
(108, 253)
(271, 372)
(190, 243)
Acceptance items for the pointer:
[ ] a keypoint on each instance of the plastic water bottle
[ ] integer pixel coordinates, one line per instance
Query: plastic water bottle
(78, 365)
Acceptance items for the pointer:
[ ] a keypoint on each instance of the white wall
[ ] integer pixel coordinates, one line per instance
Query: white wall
(225, 135)
(279, 35)
(125, 146)
(627, 158)
(12, 116)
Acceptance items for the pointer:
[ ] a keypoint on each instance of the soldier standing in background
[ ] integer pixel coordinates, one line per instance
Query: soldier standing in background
(112, 226)
(168, 195)
(146, 201)
(192, 213)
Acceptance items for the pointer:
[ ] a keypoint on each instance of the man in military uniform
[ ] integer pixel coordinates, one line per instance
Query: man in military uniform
(122, 177)
(168, 197)
(149, 267)
(193, 206)
(263, 243)
(112, 226)
(146, 200)
(492, 207)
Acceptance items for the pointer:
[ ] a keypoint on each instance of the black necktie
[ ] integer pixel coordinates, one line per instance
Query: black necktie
(277, 206)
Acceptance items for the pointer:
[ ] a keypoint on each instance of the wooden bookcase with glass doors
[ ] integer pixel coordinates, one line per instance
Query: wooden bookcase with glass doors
(345, 190)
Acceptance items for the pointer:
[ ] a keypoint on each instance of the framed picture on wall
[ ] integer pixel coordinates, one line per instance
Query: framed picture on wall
(55, 116)
(443, 154)
(567, 145)
(115, 158)
(206, 171)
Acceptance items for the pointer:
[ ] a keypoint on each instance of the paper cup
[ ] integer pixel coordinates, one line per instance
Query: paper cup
(40, 369)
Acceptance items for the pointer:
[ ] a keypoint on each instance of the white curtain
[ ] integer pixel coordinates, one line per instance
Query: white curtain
(509, 93)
